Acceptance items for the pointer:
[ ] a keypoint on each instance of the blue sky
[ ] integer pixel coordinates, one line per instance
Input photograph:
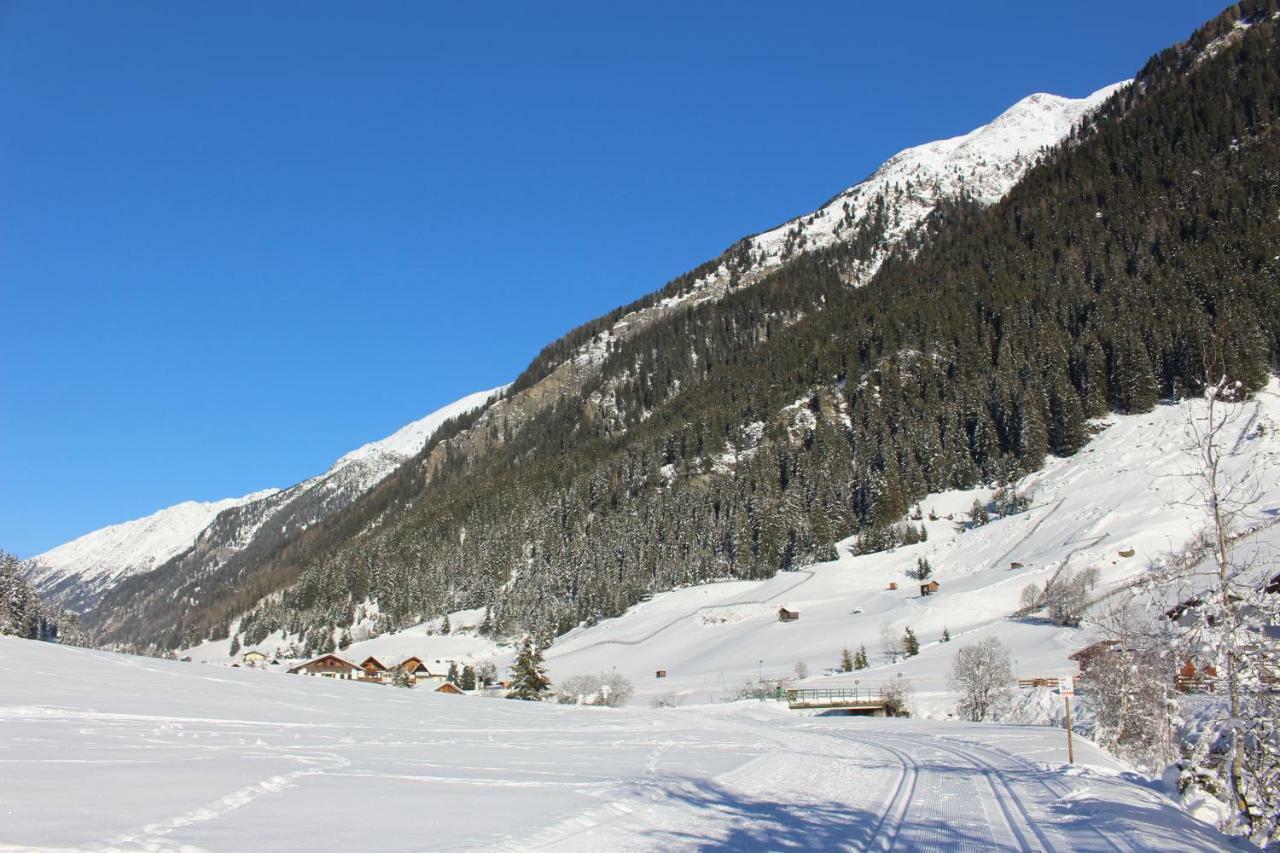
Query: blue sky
(238, 240)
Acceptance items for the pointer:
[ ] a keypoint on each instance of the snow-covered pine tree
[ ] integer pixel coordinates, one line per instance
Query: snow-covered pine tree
(529, 679)
(910, 645)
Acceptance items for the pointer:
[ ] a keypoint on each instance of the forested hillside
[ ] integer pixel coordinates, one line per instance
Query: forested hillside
(744, 436)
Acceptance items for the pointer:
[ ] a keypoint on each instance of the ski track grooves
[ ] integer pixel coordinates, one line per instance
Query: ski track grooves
(991, 773)
(1038, 774)
(899, 801)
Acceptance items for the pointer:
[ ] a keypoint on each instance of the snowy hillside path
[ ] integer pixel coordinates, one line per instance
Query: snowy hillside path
(108, 752)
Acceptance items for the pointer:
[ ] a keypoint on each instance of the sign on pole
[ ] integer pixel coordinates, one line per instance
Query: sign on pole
(1067, 689)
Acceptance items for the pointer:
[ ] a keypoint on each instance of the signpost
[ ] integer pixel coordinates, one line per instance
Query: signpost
(1066, 688)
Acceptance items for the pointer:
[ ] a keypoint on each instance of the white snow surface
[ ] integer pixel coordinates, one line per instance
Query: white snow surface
(112, 752)
(100, 559)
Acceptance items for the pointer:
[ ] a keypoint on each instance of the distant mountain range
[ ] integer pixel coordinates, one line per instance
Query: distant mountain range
(197, 535)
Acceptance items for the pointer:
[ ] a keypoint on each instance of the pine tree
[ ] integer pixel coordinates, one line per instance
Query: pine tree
(923, 570)
(528, 675)
(445, 627)
(860, 659)
(452, 676)
(846, 659)
(235, 646)
(910, 645)
(946, 635)
(468, 678)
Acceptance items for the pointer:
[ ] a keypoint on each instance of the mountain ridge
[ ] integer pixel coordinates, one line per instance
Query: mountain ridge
(78, 573)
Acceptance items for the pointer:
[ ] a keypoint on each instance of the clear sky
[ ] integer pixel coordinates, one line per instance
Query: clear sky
(240, 239)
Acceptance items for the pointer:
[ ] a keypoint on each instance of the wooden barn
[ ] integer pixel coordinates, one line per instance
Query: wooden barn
(450, 687)
(930, 588)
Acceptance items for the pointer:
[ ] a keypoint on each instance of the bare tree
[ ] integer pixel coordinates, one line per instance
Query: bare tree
(1133, 686)
(890, 643)
(1227, 600)
(983, 677)
(1065, 596)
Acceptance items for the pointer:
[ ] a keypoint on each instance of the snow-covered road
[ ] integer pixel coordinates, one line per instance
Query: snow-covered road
(101, 751)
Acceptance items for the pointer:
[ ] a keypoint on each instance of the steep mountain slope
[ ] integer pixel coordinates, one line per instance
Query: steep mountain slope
(887, 209)
(678, 440)
(193, 537)
(78, 572)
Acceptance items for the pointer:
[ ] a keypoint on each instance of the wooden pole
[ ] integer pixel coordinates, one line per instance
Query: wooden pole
(1071, 755)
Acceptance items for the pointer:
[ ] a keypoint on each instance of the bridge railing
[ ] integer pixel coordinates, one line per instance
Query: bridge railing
(832, 695)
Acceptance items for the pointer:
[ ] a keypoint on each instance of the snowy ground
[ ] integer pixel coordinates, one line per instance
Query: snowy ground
(104, 751)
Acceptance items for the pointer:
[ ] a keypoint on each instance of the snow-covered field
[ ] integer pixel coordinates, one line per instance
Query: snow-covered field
(104, 751)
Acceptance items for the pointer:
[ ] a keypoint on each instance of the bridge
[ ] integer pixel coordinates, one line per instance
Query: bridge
(855, 700)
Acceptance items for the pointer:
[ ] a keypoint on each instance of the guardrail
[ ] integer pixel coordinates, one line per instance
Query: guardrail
(836, 695)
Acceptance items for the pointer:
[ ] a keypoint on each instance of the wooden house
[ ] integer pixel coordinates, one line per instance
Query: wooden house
(450, 687)
(374, 670)
(785, 615)
(1086, 656)
(893, 585)
(929, 588)
(662, 673)
(253, 657)
(328, 666)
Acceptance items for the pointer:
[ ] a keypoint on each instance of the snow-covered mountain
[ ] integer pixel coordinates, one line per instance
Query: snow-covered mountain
(78, 573)
(983, 164)
(884, 211)
(98, 560)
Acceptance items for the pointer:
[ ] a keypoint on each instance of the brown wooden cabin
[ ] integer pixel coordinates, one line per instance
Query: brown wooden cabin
(929, 588)
(450, 687)
(785, 615)
(893, 585)
(328, 666)
(1015, 565)
(374, 670)
(662, 673)
(1086, 656)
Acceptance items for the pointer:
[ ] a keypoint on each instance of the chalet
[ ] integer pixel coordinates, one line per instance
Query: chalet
(1196, 679)
(1086, 656)
(417, 670)
(929, 588)
(785, 615)
(450, 687)
(328, 666)
(374, 670)
(253, 657)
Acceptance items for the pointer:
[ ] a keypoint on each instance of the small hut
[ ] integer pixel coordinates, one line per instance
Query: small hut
(451, 688)
(929, 588)
(785, 615)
